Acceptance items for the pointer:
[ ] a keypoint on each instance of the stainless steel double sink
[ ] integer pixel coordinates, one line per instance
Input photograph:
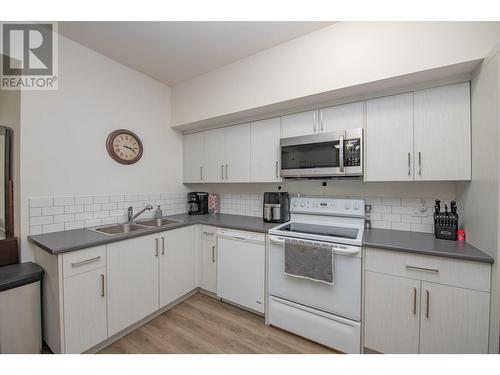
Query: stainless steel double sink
(115, 229)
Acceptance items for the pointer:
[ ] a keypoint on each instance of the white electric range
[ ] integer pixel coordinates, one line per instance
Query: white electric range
(328, 314)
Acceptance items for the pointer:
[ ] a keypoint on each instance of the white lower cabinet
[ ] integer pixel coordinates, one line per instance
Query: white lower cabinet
(132, 267)
(208, 280)
(426, 305)
(177, 263)
(85, 319)
(391, 313)
(241, 268)
(453, 320)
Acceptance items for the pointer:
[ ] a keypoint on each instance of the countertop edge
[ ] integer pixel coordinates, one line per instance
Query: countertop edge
(486, 259)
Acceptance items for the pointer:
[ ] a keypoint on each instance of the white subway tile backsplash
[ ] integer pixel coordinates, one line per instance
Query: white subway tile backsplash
(74, 209)
(52, 211)
(83, 200)
(67, 213)
(41, 202)
(381, 209)
(402, 210)
(64, 201)
(391, 217)
(410, 219)
(381, 224)
(64, 218)
(35, 211)
(391, 201)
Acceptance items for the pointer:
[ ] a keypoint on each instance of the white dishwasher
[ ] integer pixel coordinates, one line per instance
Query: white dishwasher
(241, 268)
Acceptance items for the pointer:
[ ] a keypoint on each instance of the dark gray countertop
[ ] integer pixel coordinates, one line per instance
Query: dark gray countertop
(16, 275)
(413, 242)
(71, 240)
(422, 243)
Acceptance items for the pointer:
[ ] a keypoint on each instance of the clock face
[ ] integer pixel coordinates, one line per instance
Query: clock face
(124, 146)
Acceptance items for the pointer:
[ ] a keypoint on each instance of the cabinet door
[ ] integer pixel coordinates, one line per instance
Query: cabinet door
(209, 265)
(391, 313)
(237, 165)
(215, 147)
(341, 117)
(193, 157)
(453, 320)
(177, 263)
(240, 273)
(132, 267)
(389, 138)
(443, 133)
(85, 320)
(265, 150)
(303, 123)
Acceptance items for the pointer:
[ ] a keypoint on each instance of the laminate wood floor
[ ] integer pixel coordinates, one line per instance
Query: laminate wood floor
(204, 325)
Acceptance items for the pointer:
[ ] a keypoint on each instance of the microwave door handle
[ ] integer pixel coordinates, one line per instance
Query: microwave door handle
(341, 153)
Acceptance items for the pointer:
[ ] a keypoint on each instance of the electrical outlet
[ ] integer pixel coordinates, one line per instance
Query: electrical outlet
(421, 211)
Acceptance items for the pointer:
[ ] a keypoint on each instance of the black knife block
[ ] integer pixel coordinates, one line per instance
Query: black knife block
(446, 226)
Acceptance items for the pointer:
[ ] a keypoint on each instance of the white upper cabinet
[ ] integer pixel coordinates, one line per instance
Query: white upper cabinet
(215, 153)
(193, 157)
(265, 150)
(389, 138)
(302, 123)
(443, 133)
(341, 117)
(237, 159)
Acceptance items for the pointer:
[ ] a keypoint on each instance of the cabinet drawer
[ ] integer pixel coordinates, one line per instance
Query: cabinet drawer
(208, 233)
(84, 260)
(461, 273)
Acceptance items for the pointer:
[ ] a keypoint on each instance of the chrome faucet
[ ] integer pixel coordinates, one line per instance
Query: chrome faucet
(130, 212)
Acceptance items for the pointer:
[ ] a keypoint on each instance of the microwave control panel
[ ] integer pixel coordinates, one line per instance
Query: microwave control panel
(352, 152)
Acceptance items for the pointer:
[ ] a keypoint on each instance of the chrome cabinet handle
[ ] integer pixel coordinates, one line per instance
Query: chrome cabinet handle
(201, 173)
(409, 170)
(314, 121)
(102, 285)
(414, 268)
(222, 170)
(213, 254)
(86, 261)
(321, 117)
(419, 163)
(163, 246)
(341, 153)
(208, 233)
(277, 169)
(428, 303)
(414, 301)
(226, 173)
(156, 253)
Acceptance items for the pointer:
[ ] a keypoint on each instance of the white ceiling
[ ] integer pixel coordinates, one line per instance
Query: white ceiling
(174, 52)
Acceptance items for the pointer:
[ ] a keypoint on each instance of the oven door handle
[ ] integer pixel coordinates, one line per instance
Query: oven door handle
(341, 153)
(339, 249)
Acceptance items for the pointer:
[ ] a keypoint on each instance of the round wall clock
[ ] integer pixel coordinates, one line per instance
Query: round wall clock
(124, 146)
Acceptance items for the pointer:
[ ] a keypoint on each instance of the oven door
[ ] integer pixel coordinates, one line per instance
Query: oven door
(343, 298)
(317, 155)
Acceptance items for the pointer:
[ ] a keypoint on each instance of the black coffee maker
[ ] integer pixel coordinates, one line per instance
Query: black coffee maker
(197, 203)
(276, 208)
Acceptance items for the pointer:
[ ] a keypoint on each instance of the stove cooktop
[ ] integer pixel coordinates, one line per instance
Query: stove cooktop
(322, 230)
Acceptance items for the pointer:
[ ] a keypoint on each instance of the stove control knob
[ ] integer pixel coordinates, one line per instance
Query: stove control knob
(295, 204)
(302, 204)
(356, 206)
(347, 206)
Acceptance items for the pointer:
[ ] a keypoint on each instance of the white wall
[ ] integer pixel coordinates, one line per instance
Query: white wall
(480, 197)
(64, 132)
(342, 55)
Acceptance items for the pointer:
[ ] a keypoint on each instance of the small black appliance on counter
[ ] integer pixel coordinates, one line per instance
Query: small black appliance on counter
(276, 208)
(446, 223)
(197, 203)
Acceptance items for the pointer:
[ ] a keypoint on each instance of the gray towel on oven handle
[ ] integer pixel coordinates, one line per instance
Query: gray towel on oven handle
(305, 260)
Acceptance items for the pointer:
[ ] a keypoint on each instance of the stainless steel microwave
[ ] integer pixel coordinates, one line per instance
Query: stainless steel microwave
(334, 154)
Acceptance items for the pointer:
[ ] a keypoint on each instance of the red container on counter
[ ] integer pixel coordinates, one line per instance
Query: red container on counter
(460, 235)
